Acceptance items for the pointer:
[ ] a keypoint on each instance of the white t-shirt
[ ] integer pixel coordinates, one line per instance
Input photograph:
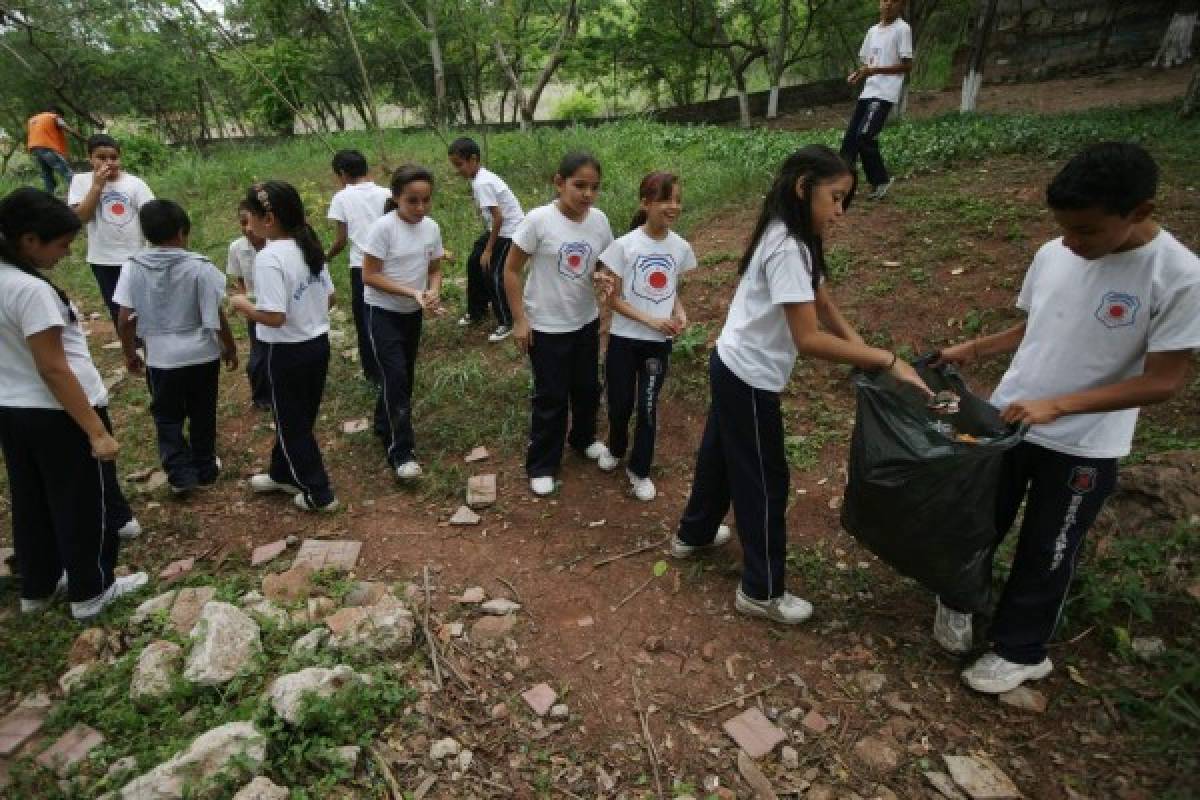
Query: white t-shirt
(405, 250)
(886, 46)
(29, 305)
(562, 255)
(114, 233)
(240, 262)
(358, 205)
(171, 350)
(491, 191)
(1091, 324)
(283, 282)
(756, 342)
(649, 271)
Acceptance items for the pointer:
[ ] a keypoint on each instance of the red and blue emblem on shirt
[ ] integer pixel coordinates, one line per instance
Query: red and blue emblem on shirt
(116, 208)
(652, 277)
(1118, 309)
(574, 258)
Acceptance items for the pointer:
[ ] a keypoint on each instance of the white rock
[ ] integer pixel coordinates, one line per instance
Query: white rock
(287, 691)
(443, 748)
(262, 788)
(254, 603)
(156, 666)
(235, 746)
(120, 767)
(226, 642)
(384, 627)
(310, 642)
(464, 760)
(347, 756)
(980, 778)
(500, 606)
(72, 677)
(789, 757)
(1148, 648)
(154, 605)
(560, 711)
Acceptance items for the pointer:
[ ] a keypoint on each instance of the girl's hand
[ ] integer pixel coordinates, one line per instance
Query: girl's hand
(241, 304)
(1032, 412)
(902, 371)
(523, 334)
(960, 354)
(667, 327)
(681, 320)
(104, 447)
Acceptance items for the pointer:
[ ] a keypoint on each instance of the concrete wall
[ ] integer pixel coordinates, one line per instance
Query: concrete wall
(1048, 38)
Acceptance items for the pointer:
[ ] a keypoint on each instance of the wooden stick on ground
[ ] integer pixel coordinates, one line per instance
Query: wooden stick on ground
(632, 594)
(700, 712)
(433, 648)
(629, 553)
(647, 738)
(393, 785)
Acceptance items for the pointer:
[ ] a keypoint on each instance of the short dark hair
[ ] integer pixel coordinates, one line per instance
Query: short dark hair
(1114, 176)
(350, 162)
(55, 108)
(163, 220)
(464, 147)
(97, 140)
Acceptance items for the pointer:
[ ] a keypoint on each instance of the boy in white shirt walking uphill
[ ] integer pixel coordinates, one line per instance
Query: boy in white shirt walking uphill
(886, 57)
(501, 212)
(355, 209)
(1113, 319)
(173, 297)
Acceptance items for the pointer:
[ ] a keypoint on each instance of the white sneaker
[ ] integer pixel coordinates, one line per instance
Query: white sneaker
(500, 334)
(408, 470)
(32, 605)
(301, 502)
(680, 549)
(952, 630)
(879, 192)
(128, 584)
(598, 452)
(542, 486)
(464, 320)
(130, 530)
(992, 674)
(643, 488)
(262, 483)
(786, 609)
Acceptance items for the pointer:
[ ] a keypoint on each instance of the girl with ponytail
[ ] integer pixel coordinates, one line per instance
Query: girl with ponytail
(293, 294)
(782, 307)
(67, 509)
(647, 263)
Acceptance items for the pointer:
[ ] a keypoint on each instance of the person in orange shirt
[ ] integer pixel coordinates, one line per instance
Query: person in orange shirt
(47, 145)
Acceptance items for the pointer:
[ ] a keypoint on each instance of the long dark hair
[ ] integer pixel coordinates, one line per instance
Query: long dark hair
(33, 211)
(282, 200)
(808, 167)
(403, 176)
(655, 188)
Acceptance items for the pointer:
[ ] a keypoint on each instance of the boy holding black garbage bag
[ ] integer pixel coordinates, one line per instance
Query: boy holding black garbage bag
(1113, 319)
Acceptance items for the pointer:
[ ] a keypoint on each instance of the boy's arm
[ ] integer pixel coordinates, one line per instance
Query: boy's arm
(126, 331)
(1163, 375)
(228, 347)
(485, 258)
(339, 242)
(85, 209)
(1006, 341)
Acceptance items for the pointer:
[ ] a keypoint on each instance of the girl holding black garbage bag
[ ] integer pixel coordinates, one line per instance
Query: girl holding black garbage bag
(779, 310)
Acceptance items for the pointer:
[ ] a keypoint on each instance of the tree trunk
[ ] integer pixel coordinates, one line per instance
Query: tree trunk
(1191, 100)
(974, 77)
(435, 57)
(1176, 47)
(773, 101)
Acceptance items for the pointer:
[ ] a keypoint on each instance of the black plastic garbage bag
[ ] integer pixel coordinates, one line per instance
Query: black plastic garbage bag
(922, 486)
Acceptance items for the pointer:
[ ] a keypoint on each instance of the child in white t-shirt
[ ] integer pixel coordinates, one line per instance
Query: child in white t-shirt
(502, 213)
(556, 319)
(239, 265)
(779, 310)
(291, 311)
(107, 200)
(54, 427)
(1113, 320)
(355, 208)
(173, 299)
(886, 56)
(402, 270)
(647, 313)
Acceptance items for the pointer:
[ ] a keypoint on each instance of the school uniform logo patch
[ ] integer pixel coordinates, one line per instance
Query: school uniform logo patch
(1082, 480)
(574, 259)
(652, 277)
(116, 208)
(1118, 310)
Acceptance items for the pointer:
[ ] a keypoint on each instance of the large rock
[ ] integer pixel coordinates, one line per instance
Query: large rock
(158, 604)
(262, 788)
(155, 669)
(290, 586)
(226, 642)
(235, 748)
(1156, 495)
(384, 627)
(92, 645)
(287, 692)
